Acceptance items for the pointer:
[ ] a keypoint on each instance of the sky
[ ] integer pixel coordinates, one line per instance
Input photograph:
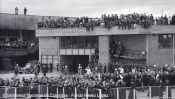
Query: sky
(91, 8)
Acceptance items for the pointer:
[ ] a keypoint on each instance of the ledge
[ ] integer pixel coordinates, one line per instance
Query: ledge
(155, 29)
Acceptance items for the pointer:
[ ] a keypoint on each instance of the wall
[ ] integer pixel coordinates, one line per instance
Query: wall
(103, 31)
(49, 46)
(134, 42)
(18, 22)
(158, 56)
(104, 55)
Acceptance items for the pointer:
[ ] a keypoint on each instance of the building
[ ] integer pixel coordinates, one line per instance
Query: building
(152, 46)
(16, 27)
(73, 46)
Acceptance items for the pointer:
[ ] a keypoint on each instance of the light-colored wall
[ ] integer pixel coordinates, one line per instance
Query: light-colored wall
(158, 56)
(49, 46)
(159, 29)
(104, 55)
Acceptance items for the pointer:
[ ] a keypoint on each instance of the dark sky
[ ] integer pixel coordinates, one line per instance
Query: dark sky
(91, 8)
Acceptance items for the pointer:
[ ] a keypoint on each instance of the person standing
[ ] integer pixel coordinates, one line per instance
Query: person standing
(88, 70)
(79, 69)
(16, 10)
(44, 69)
(36, 70)
(57, 65)
(50, 67)
(16, 70)
(25, 11)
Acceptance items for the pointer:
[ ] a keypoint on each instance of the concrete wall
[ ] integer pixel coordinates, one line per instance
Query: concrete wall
(19, 22)
(104, 55)
(49, 46)
(103, 31)
(155, 55)
(134, 42)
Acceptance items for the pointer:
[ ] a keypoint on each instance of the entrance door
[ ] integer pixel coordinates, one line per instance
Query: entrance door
(72, 61)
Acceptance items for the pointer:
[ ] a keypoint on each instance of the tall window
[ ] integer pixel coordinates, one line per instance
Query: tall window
(165, 41)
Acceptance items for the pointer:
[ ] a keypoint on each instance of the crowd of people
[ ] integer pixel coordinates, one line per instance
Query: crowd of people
(116, 48)
(123, 21)
(17, 44)
(165, 20)
(34, 69)
(128, 21)
(103, 77)
(89, 23)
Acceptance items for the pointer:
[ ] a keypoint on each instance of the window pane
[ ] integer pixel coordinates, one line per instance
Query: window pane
(165, 41)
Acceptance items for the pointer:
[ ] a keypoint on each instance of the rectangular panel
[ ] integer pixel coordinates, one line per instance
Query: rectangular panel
(69, 51)
(62, 52)
(44, 60)
(92, 51)
(55, 57)
(81, 52)
(44, 56)
(50, 57)
(75, 51)
(49, 60)
(87, 52)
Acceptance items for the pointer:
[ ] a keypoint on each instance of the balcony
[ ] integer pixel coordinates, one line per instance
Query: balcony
(99, 30)
(134, 54)
(18, 52)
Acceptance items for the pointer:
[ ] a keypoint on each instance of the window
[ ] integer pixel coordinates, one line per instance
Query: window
(165, 41)
(79, 42)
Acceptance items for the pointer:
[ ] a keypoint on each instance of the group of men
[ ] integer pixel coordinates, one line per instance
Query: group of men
(36, 69)
(128, 21)
(89, 23)
(17, 44)
(25, 11)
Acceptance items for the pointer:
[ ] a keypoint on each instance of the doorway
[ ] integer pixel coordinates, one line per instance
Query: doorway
(72, 61)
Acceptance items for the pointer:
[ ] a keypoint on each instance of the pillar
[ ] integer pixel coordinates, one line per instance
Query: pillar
(104, 54)
(20, 35)
(147, 49)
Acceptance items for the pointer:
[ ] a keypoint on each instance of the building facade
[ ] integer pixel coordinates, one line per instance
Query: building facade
(77, 45)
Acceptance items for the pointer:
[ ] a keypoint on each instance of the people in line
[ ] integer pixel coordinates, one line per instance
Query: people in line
(17, 44)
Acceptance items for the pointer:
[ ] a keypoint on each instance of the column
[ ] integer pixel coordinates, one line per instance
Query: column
(147, 49)
(20, 35)
(104, 54)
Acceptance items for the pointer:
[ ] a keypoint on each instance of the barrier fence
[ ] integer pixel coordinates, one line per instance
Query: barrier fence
(54, 92)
